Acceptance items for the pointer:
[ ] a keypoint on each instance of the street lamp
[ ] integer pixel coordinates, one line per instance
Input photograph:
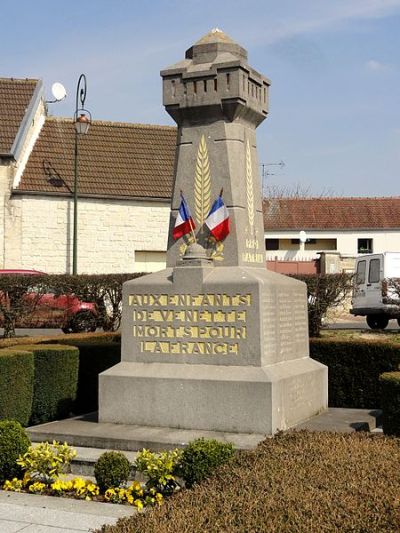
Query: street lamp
(82, 120)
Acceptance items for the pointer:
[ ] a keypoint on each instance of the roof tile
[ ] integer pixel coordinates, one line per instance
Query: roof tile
(115, 159)
(331, 213)
(15, 96)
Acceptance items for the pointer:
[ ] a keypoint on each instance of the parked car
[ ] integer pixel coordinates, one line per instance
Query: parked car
(65, 311)
(372, 295)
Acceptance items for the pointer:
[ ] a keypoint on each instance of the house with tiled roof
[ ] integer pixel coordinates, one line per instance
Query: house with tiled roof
(340, 228)
(125, 185)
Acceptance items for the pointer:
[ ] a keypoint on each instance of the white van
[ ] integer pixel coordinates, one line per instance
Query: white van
(371, 296)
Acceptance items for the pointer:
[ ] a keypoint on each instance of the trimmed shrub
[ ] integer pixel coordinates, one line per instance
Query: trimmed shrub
(55, 381)
(354, 367)
(13, 442)
(324, 291)
(105, 290)
(16, 385)
(46, 339)
(201, 457)
(112, 469)
(159, 469)
(45, 462)
(390, 402)
(94, 358)
(300, 482)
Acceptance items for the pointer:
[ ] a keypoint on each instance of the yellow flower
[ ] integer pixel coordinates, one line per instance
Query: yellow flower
(57, 485)
(138, 503)
(92, 488)
(78, 483)
(14, 485)
(109, 494)
(37, 487)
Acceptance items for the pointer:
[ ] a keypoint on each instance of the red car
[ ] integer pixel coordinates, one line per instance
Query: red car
(64, 311)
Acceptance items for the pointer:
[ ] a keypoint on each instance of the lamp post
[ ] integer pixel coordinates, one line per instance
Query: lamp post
(82, 120)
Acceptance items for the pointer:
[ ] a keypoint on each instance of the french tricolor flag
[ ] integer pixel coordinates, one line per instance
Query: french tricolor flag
(184, 222)
(218, 219)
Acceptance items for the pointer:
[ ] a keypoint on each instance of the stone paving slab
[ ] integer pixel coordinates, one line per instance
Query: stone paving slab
(33, 513)
(344, 420)
(85, 431)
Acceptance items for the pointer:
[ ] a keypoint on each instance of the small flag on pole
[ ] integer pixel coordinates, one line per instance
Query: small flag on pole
(217, 220)
(184, 222)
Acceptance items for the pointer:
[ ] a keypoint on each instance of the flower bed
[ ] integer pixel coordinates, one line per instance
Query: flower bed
(44, 467)
(85, 489)
(43, 471)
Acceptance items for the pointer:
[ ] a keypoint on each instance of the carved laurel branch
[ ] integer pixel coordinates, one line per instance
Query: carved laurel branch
(249, 186)
(202, 183)
(217, 249)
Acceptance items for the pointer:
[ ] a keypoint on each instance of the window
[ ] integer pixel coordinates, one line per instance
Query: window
(364, 246)
(272, 244)
(360, 277)
(374, 274)
(308, 241)
(149, 261)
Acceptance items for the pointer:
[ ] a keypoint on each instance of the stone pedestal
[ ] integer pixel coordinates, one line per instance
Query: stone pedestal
(222, 349)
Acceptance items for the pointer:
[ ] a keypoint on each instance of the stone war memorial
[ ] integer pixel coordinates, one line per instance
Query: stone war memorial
(215, 341)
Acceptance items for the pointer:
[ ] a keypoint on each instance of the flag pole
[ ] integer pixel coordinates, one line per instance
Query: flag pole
(191, 227)
(190, 220)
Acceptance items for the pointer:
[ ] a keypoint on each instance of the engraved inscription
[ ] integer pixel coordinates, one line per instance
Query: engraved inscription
(190, 324)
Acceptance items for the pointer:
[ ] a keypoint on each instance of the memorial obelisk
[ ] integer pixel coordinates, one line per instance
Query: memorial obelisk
(215, 341)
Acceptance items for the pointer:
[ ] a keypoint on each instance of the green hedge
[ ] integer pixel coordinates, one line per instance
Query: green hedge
(390, 398)
(94, 357)
(297, 482)
(55, 381)
(57, 339)
(16, 385)
(354, 367)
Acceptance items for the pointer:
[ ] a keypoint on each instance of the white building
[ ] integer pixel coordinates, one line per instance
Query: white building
(345, 227)
(125, 184)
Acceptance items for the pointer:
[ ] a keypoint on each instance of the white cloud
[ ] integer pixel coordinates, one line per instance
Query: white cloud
(311, 17)
(376, 66)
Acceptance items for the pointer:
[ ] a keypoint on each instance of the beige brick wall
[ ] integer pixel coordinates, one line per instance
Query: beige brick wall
(10, 174)
(5, 173)
(109, 233)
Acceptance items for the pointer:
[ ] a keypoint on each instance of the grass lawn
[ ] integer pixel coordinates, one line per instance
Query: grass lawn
(295, 482)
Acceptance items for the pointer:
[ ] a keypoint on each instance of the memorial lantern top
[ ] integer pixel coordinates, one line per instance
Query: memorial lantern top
(214, 82)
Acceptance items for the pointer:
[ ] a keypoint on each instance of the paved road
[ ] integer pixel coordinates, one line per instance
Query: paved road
(360, 326)
(358, 322)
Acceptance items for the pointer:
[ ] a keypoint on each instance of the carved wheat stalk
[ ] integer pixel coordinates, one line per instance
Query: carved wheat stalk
(249, 186)
(202, 183)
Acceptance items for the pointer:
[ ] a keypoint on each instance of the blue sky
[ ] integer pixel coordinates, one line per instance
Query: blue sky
(334, 65)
